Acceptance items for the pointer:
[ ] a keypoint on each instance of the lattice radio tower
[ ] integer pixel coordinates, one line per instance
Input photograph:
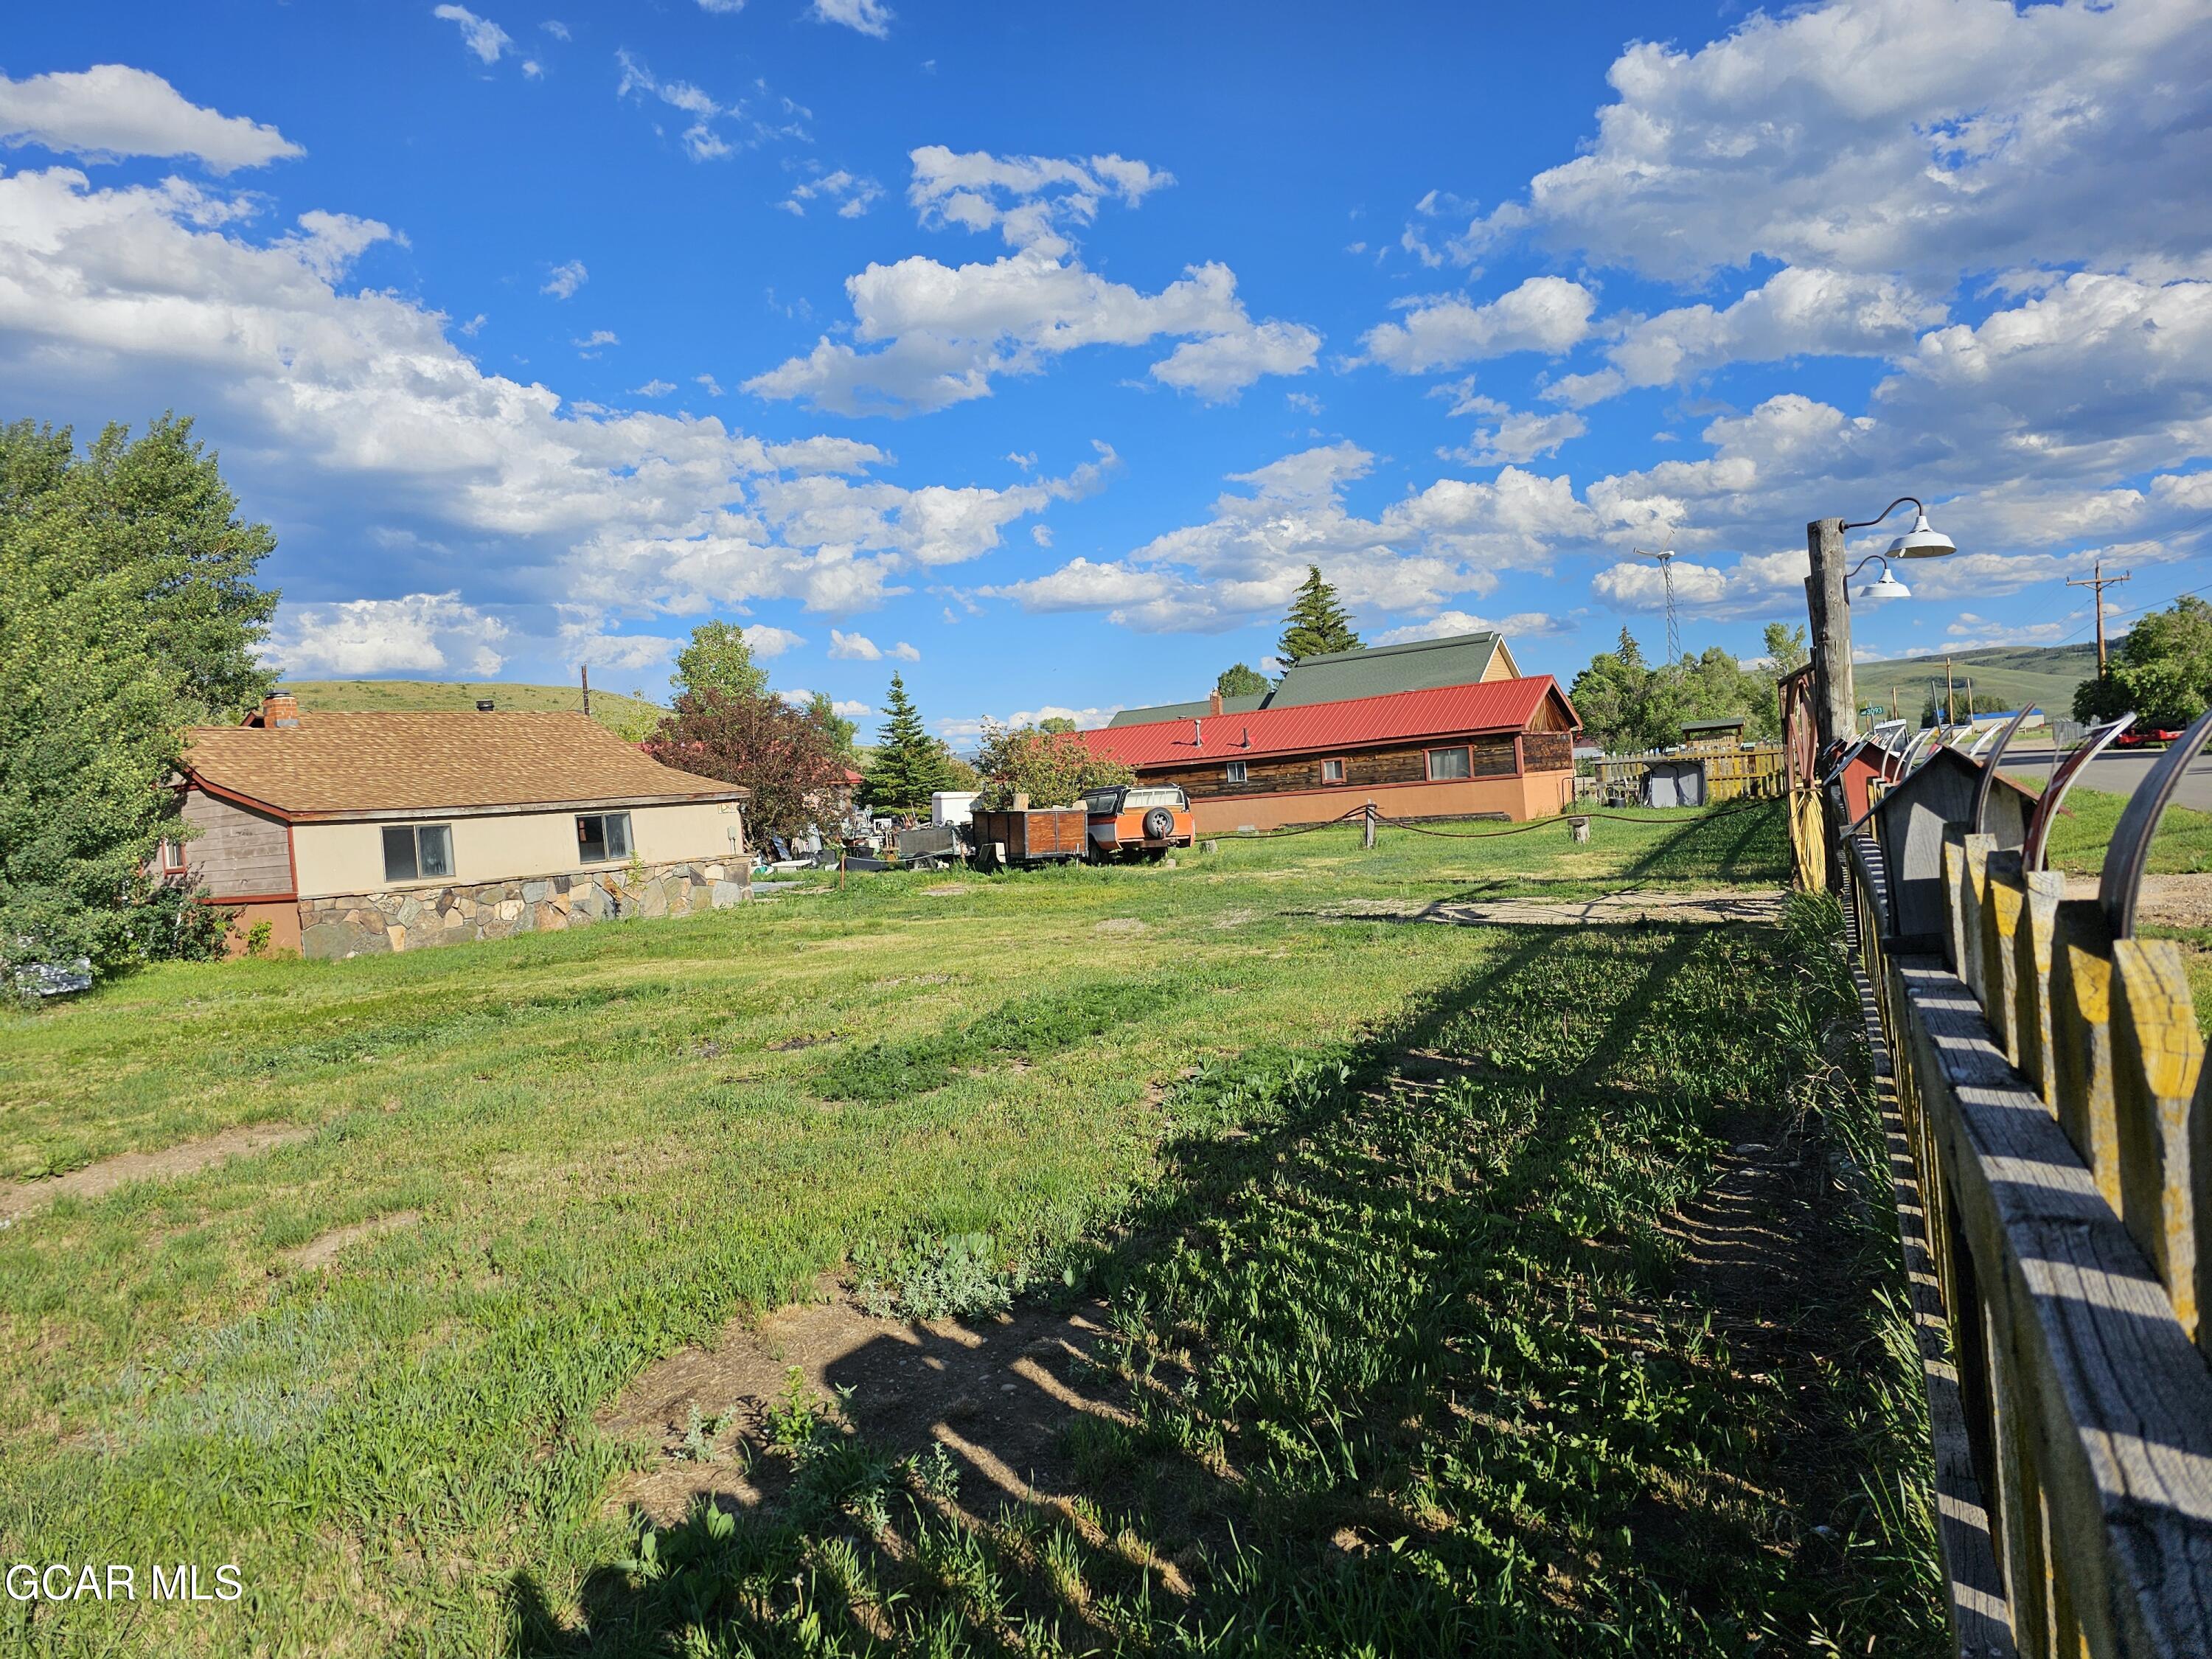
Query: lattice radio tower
(1666, 558)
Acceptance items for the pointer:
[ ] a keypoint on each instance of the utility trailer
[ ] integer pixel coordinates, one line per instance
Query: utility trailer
(1035, 835)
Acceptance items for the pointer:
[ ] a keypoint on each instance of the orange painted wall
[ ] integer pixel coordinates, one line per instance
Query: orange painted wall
(1538, 794)
(283, 919)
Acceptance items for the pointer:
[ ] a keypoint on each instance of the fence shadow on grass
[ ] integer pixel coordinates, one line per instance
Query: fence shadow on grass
(1305, 1302)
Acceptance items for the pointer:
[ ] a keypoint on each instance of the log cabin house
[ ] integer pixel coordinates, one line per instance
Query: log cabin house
(1503, 746)
(357, 833)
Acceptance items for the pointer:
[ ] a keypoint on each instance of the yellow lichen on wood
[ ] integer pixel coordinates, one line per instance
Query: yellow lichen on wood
(2158, 1057)
(2031, 978)
(2081, 1039)
(2004, 899)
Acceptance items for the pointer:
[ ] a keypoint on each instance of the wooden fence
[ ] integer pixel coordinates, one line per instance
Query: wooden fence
(2051, 1082)
(1733, 772)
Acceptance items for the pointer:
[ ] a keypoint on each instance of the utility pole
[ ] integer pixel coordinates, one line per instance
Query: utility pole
(2099, 581)
(1950, 696)
(586, 670)
(1828, 600)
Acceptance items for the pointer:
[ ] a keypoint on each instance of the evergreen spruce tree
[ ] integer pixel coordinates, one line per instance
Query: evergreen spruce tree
(1316, 624)
(909, 765)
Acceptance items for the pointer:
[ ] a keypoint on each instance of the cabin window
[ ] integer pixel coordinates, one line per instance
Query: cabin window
(603, 837)
(417, 851)
(1331, 771)
(1445, 764)
(1236, 771)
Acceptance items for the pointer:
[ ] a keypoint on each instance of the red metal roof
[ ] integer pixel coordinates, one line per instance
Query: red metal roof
(1444, 711)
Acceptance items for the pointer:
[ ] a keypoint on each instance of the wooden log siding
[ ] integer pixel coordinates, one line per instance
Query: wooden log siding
(1548, 752)
(238, 853)
(1492, 756)
(2052, 1084)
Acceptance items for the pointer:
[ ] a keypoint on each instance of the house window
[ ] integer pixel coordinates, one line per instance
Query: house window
(173, 857)
(417, 851)
(603, 837)
(1236, 771)
(1331, 771)
(1447, 764)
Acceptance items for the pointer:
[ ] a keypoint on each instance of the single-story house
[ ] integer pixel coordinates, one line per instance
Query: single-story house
(1501, 746)
(354, 832)
(1363, 672)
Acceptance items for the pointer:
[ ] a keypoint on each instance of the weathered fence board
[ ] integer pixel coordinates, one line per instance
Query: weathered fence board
(2052, 1090)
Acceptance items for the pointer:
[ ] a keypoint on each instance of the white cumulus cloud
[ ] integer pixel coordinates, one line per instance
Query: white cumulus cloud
(111, 109)
(420, 633)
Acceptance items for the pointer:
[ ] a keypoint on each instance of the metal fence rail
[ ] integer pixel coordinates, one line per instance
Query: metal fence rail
(2051, 1083)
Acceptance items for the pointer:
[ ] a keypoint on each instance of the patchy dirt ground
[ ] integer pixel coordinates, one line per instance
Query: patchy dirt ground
(1726, 904)
(321, 1252)
(2167, 901)
(19, 1199)
(996, 1393)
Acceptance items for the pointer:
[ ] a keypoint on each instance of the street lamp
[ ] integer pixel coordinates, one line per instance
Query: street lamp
(1828, 597)
(1876, 593)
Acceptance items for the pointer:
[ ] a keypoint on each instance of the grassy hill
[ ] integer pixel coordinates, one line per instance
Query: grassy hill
(2043, 675)
(631, 717)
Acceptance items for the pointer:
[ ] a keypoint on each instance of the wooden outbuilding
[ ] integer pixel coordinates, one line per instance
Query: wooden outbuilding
(1503, 747)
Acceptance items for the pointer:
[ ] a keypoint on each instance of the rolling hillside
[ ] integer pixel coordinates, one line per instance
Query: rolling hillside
(2043, 675)
(632, 717)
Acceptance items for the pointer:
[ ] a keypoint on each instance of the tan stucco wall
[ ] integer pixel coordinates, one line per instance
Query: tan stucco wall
(1537, 795)
(348, 858)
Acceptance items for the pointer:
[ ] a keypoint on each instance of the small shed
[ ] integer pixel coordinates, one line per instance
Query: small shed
(1676, 782)
(1705, 733)
(1911, 822)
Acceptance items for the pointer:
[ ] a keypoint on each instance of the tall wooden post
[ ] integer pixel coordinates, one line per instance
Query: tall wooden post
(1367, 840)
(1835, 710)
(1828, 600)
(585, 669)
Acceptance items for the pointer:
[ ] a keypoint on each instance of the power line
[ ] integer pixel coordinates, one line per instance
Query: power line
(2099, 581)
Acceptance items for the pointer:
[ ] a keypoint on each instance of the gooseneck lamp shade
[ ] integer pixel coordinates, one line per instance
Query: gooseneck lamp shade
(1922, 541)
(1888, 587)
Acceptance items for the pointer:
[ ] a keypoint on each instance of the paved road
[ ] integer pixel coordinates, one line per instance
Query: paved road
(2119, 773)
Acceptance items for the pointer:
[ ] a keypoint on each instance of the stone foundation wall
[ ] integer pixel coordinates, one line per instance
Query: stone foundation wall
(357, 924)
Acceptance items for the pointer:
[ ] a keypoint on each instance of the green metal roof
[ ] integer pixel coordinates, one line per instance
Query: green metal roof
(1731, 723)
(1189, 711)
(1341, 676)
(1379, 670)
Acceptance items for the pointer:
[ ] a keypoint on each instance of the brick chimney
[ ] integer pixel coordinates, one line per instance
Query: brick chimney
(1213, 702)
(280, 709)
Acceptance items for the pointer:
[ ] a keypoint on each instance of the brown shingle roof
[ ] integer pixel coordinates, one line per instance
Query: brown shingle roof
(338, 766)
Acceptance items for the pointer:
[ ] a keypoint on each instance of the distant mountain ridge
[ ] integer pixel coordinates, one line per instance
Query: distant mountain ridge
(2042, 675)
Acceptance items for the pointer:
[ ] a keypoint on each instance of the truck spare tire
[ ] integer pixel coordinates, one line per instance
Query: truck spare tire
(1159, 824)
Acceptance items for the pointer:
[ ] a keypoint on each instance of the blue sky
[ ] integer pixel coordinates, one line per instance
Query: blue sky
(1035, 352)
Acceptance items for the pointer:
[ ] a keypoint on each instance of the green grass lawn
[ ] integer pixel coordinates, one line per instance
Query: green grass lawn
(2181, 846)
(618, 1140)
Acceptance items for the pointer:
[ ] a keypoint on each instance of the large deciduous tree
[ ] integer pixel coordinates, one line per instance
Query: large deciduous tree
(1053, 767)
(1238, 680)
(1626, 705)
(1316, 624)
(130, 612)
(718, 659)
(786, 755)
(2162, 670)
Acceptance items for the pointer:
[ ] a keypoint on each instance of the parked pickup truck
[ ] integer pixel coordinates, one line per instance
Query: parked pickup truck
(1129, 821)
